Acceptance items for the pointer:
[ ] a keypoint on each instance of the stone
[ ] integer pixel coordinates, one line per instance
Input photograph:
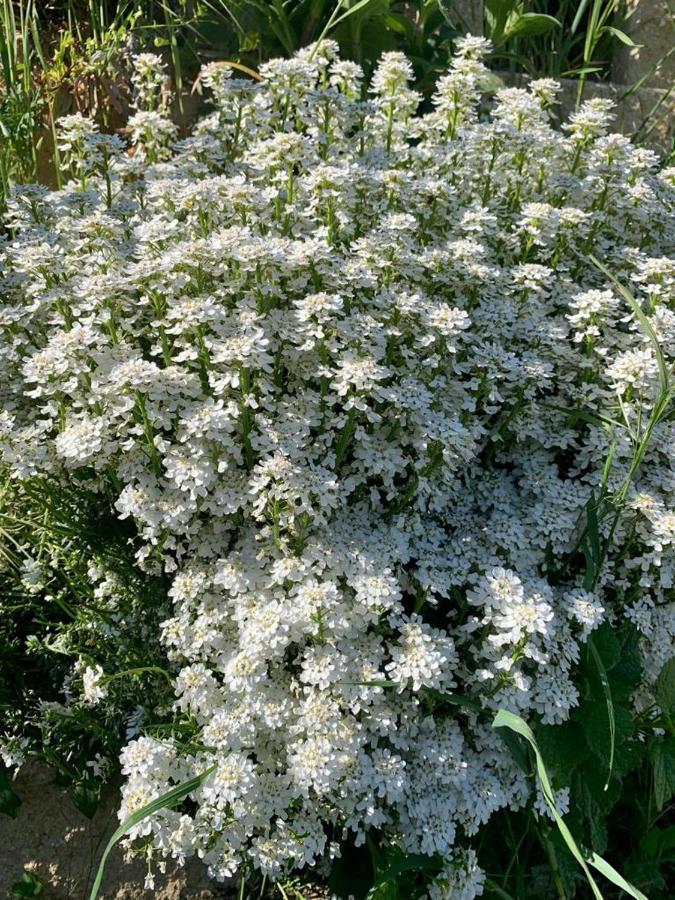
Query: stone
(650, 24)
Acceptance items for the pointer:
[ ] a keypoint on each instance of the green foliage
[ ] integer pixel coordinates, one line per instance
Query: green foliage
(29, 885)
(380, 872)
(508, 20)
(665, 693)
(73, 55)
(50, 628)
(623, 819)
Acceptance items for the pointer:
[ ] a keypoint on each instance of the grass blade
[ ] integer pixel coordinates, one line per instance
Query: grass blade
(166, 801)
(505, 719)
(604, 680)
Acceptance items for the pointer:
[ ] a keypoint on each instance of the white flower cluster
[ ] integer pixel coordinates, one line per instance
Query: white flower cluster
(346, 368)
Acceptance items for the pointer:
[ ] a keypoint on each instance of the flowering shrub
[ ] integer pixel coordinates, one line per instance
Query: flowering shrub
(350, 373)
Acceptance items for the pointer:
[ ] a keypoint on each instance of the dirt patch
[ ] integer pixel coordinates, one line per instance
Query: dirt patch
(51, 839)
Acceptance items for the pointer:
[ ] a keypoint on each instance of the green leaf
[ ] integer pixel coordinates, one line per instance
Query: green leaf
(413, 862)
(665, 691)
(563, 748)
(530, 25)
(86, 796)
(515, 746)
(494, 888)
(604, 794)
(585, 811)
(29, 885)
(505, 719)
(489, 82)
(9, 801)
(607, 646)
(594, 716)
(496, 13)
(658, 842)
(360, 4)
(609, 703)
(592, 544)
(351, 874)
(622, 36)
(627, 673)
(139, 670)
(167, 801)
(454, 699)
(663, 764)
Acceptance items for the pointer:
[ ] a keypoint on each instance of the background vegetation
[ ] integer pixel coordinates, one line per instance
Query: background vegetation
(63, 56)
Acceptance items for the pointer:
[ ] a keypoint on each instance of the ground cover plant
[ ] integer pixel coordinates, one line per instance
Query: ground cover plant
(356, 426)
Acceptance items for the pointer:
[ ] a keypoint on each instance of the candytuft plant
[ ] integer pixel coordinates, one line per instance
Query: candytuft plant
(350, 375)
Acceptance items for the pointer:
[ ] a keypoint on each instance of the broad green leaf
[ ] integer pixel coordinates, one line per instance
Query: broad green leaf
(563, 748)
(167, 801)
(626, 674)
(530, 25)
(594, 715)
(585, 810)
(505, 719)
(663, 764)
(489, 82)
(603, 794)
(497, 12)
(658, 841)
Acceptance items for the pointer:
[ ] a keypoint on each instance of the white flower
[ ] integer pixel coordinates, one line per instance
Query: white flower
(344, 371)
(93, 688)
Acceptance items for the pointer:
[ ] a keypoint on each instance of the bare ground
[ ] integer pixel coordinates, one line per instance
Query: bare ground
(60, 846)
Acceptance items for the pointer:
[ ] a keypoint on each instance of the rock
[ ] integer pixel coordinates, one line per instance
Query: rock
(651, 24)
(468, 14)
(634, 111)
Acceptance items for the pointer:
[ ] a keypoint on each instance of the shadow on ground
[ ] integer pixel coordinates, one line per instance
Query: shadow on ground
(61, 847)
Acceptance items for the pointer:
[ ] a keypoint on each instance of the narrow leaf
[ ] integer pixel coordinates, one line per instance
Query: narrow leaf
(166, 801)
(604, 680)
(505, 719)
(622, 36)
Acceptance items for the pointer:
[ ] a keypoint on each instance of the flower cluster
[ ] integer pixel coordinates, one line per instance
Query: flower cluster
(348, 371)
